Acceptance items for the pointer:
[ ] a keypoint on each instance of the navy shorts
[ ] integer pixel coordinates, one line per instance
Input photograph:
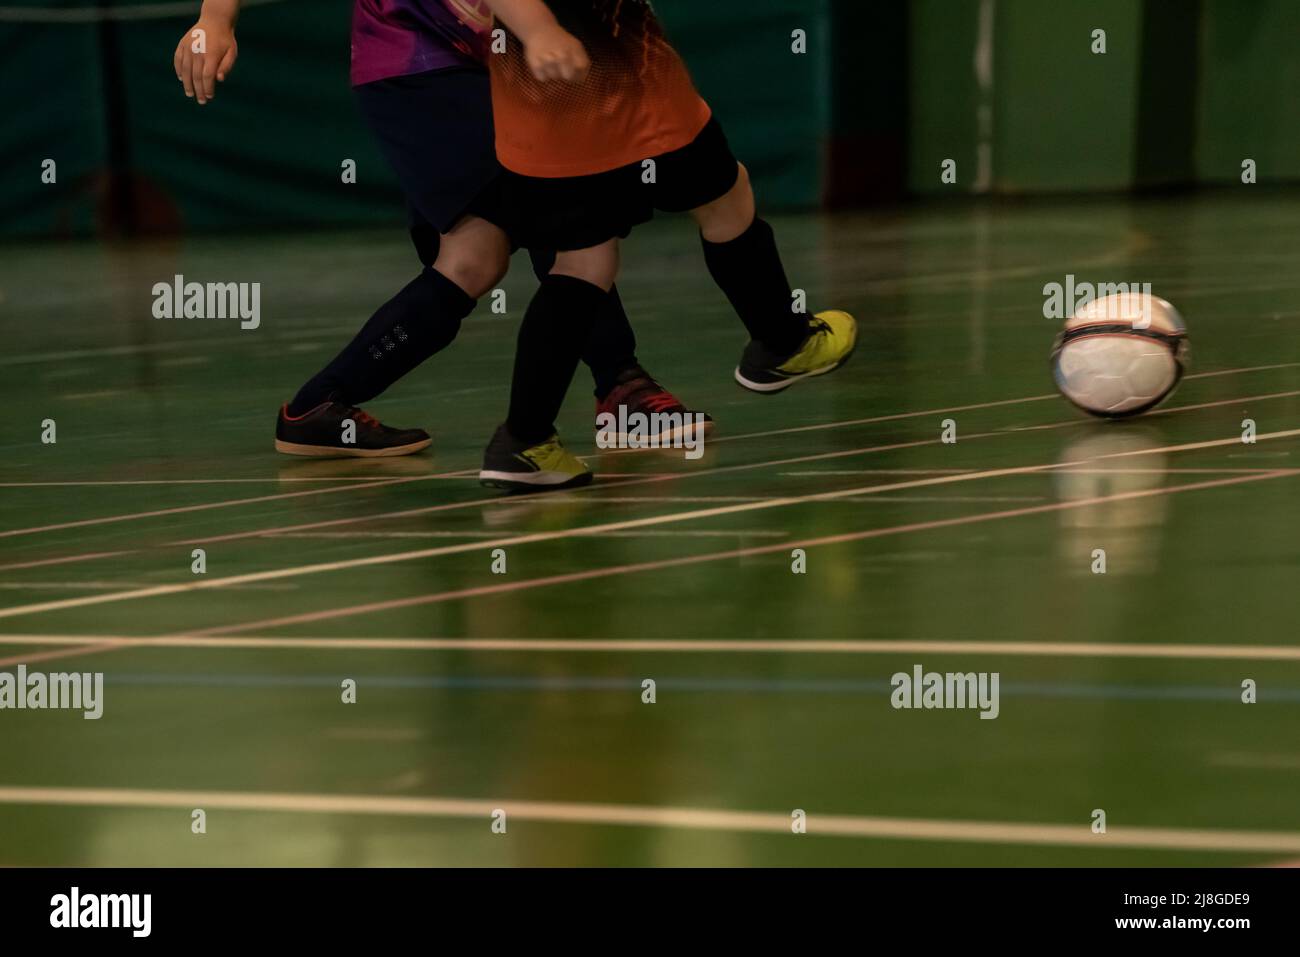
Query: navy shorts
(578, 212)
(435, 130)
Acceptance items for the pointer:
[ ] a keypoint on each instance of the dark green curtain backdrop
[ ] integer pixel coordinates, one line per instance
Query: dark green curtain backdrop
(269, 151)
(887, 91)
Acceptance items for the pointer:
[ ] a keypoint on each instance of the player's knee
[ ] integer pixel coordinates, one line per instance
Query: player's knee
(598, 265)
(743, 191)
(474, 255)
(476, 271)
(731, 214)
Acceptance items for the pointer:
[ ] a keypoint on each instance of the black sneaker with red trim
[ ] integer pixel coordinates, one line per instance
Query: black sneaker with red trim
(335, 430)
(666, 417)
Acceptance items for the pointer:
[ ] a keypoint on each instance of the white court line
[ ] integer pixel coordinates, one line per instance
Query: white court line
(1255, 761)
(496, 500)
(211, 481)
(945, 499)
(573, 577)
(870, 420)
(634, 815)
(637, 480)
(652, 499)
(99, 394)
(705, 646)
(648, 533)
(884, 472)
(65, 559)
(442, 475)
(975, 406)
(108, 519)
(569, 578)
(104, 586)
(527, 539)
(594, 494)
(1100, 471)
(1218, 372)
(662, 519)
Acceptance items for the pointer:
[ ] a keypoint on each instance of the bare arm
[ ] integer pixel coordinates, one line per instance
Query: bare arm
(207, 52)
(551, 51)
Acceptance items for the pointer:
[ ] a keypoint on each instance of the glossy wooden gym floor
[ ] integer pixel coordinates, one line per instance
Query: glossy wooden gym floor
(523, 691)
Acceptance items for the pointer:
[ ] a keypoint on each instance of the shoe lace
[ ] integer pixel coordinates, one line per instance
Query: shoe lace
(658, 401)
(363, 417)
(541, 452)
(648, 393)
(819, 325)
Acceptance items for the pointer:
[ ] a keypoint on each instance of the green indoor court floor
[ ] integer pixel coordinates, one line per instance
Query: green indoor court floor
(523, 691)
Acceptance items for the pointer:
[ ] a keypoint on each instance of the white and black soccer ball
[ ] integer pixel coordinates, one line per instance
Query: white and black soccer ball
(1120, 355)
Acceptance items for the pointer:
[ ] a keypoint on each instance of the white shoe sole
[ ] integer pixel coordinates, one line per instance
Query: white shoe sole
(532, 480)
(331, 452)
(768, 388)
(662, 440)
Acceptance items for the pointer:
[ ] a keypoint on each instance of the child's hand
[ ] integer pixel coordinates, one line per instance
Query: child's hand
(555, 54)
(199, 71)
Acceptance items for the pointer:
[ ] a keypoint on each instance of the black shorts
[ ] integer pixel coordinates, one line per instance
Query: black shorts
(578, 212)
(435, 130)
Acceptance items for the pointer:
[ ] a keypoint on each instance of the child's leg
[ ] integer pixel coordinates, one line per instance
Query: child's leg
(611, 350)
(730, 215)
(419, 321)
(553, 334)
(474, 255)
(740, 251)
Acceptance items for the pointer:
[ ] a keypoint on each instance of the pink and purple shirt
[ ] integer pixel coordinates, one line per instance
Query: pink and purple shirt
(400, 37)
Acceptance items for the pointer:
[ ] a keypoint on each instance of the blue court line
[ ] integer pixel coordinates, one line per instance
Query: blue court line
(731, 685)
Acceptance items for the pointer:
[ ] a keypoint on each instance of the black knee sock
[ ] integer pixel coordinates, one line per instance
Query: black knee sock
(542, 261)
(611, 349)
(420, 320)
(611, 346)
(748, 270)
(551, 339)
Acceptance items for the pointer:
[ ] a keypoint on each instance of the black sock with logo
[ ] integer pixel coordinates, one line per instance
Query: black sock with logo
(418, 322)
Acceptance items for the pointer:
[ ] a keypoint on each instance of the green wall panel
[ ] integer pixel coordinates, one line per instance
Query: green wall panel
(1060, 117)
(1250, 90)
(887, 91)
(945, 97)
(268, 151)
(1065, 117)
(50, 76)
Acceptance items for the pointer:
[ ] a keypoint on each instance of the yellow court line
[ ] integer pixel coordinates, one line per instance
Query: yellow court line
(690, 818)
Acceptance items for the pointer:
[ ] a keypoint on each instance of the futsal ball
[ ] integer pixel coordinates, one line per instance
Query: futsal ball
(1120, 355)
